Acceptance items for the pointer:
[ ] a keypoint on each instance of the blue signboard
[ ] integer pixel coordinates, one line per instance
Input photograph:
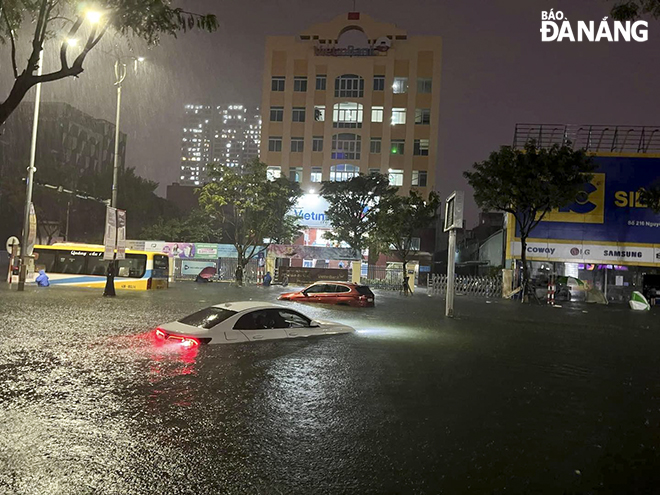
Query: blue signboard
(608, 208)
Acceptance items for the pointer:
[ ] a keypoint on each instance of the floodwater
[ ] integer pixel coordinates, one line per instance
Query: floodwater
(503, 399)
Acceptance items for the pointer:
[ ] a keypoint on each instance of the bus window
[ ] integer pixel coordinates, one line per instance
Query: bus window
(133, 266)
(70, 263)
(45, 258)
(96, 266)
(161, 266)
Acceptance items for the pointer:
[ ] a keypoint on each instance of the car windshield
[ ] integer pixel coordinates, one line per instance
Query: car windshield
(207, 318)
(364, 290)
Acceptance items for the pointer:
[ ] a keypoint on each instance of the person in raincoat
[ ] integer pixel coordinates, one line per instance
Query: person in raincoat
(267, 279)
(42, 279)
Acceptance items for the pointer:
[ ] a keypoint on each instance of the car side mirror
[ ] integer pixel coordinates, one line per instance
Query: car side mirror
(305, 293)
(314, 324)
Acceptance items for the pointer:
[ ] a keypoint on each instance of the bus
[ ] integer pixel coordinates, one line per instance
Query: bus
(82, 265)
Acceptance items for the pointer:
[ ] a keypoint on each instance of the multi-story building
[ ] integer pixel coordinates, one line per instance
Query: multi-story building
(226, 134)
(352, 96)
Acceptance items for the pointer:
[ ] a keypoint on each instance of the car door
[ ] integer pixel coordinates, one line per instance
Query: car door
(313, 293)
(297, 325)
(326, 293)
(261, 324)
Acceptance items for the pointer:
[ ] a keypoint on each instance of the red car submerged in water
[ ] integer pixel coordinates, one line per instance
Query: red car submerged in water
(342, 293)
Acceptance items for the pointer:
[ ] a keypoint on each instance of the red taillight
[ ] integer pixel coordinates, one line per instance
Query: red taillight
(159, 333)
(185, 341)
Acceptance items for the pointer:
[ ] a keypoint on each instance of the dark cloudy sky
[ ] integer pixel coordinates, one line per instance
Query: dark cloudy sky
(496, 72)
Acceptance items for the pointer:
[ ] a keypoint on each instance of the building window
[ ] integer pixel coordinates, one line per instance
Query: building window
(419, 178)
(396, 177)
(424, 85)
(276, 114)
(421, 147)
(375, 145)
(398, 116)
(349, 85)
(397, 146)
(316, 174)
(273, 173)
(400, 85)
(275, 143)
(321, 82)
(379, 83)
(347, 115)
(344, 171)
(374, 171)
(300, 84)
(298, 114)
(277, 83)
(423, 116)
(297, 145)
(317, 143)
(376, 114)
(319, 113)
(346, 147)
(295, 174)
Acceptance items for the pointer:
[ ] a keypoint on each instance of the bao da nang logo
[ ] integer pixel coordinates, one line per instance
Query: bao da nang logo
(555, 26)
(588, 207)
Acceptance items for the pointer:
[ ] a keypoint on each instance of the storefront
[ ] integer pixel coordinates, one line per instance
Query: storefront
(606, 237)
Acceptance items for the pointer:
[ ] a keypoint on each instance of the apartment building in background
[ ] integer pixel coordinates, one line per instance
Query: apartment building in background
(349, 96)
(224, 134)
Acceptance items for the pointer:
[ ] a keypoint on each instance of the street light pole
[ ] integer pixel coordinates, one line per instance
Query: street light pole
(120, 75)
(30, 176)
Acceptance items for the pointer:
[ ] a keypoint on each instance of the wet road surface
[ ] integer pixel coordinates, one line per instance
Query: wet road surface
(503, 399)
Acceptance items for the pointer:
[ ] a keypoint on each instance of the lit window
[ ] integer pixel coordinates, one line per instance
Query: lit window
(317, 143)
(295, 174)
(320, 82)
(424, 85)
(379, 83)
(419, 178)
(316, 175)
(343, 172)
(273, 173)
(275, 143)
(421, 147)
(298, 114)
(398, 116)
(347, 115)
(423, 116)
(400, 85)
(376, 114)
(396, 177)
(397, 146)
(277, 83)
(276, 114)
(346, 147)
(375, 145)
(349, 85)
(319, 113)
(297, 144)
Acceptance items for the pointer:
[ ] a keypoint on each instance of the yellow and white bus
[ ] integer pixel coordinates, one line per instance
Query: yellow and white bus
(82, 265)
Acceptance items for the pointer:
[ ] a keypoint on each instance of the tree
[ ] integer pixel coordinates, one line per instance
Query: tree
(651, 197)
(64, 20)
(199, 226)
(354, 206)
(250, 207)
(630, 10)
(529, 184)
(401, 218)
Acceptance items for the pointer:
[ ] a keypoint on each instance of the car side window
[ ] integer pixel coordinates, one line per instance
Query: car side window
(314, 289)
(343, 288)
(291, 319)
(256, 320)
(325, 288)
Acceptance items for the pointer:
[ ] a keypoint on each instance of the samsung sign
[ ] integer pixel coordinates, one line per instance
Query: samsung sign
(310, 211)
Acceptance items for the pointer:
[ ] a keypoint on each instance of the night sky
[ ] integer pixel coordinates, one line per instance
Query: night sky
(496, 72)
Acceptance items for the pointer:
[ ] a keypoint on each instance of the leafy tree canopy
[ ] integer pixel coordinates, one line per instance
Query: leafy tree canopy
(30, 23)
(354, 206)
(196, 227)
(651, 197)
(631, 10)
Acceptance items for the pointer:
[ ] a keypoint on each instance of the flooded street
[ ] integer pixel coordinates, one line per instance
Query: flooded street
(503, 399)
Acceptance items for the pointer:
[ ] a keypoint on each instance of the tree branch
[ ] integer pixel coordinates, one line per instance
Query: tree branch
(13, 44)
(74, 29)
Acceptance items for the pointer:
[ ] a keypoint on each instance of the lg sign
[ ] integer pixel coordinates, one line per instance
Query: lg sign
(576, 252)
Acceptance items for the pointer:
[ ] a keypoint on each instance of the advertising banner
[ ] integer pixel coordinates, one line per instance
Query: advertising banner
(193, 267)
(206, 251)
(608, 209)
(110, 235)
(310, 210)
(584, 252)
(183, 250)
(121, 234)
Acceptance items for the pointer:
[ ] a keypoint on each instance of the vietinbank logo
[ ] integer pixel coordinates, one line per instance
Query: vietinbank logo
(555, 26)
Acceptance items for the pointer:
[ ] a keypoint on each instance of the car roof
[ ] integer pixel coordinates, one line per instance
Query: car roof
(239, 306)
(333, 282)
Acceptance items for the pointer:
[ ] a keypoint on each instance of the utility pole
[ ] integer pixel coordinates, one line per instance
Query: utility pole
(453, 221)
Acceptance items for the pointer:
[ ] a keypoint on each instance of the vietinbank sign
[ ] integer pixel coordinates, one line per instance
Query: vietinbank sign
(310, 211)
(555, 26)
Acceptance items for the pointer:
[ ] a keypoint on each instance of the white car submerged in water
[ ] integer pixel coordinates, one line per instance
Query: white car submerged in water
(234, 322)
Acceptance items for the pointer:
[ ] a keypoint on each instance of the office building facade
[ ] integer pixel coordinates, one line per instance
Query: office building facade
(352, 96)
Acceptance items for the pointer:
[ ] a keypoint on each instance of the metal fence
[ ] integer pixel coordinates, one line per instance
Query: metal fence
(380, 277)
(225, 270)
(467, 285)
